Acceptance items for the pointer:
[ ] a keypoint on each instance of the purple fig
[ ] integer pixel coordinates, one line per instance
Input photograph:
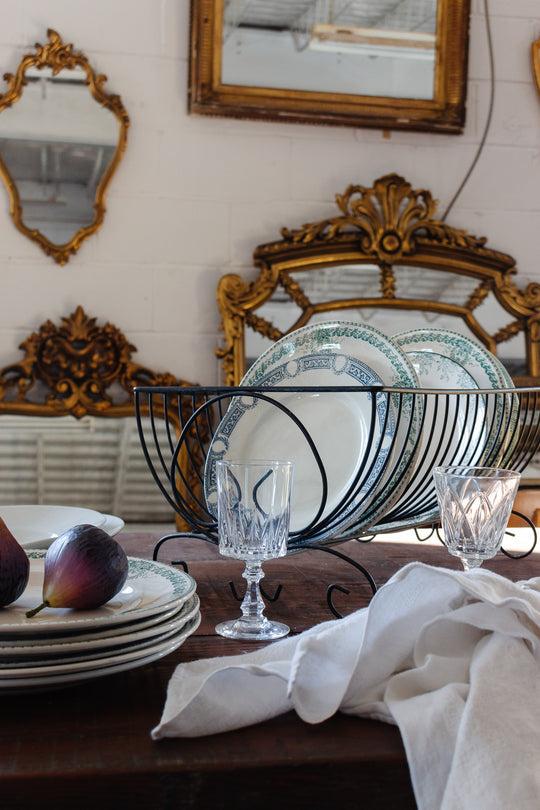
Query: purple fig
(14, 567)
(84, 568)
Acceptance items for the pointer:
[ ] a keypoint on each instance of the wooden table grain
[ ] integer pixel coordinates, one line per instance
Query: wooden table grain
(89, 746)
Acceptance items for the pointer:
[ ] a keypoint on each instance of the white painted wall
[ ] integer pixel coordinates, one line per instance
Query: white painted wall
(194, 196)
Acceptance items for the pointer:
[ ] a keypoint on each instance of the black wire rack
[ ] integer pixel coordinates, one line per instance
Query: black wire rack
(183, 430)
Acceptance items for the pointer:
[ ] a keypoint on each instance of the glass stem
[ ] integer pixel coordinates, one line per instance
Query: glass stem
(253, 604)
(469, 564)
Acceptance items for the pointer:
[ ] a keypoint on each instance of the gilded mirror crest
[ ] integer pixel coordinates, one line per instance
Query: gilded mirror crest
(62, 137)
(383, 255)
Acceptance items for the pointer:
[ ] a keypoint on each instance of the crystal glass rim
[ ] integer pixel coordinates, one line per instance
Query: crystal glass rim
(465, 471)
(254, 463)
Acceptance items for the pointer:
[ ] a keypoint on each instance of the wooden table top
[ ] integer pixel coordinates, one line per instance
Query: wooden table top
(89, 745)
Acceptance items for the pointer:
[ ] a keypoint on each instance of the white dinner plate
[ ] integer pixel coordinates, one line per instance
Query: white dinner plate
(34, 523)
(64, 647)
(110, 631)
(387, 361)
(150, 588)
(111, 524)
(488, 373)
(36, 681)
(454, 433)
(253, 428)
(91, 658)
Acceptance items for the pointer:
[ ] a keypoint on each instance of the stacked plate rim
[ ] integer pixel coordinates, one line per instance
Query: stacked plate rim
(156, 611)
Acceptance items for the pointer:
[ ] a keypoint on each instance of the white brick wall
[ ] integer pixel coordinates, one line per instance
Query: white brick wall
(193, 197)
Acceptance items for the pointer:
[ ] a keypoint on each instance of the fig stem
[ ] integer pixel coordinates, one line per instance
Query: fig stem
(30, 613)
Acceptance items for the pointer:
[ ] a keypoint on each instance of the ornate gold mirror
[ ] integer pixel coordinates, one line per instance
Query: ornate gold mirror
(385, 258)
(62, 137)
(361, 63)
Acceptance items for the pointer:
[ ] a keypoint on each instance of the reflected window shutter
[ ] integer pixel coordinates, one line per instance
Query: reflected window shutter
(93, 462)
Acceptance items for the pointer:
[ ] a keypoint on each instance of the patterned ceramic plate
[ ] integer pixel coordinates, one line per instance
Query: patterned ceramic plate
(34, 680)
(97, 659)
(151, 588)
(254, 428)
(449, 360)
(455, 433)
(88, 643)
(488, 373)
(325, 354)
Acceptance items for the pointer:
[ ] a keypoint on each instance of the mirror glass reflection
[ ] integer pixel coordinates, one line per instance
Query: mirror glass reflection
(355, 47)
(327, 286)
(56, 143)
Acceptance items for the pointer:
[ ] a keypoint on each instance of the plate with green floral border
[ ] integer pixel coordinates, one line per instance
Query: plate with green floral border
(334, 344)
(151, 588)
(487, 372)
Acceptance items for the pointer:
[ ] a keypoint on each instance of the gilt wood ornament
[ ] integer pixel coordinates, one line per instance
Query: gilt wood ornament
(78, 368)
(391, 226)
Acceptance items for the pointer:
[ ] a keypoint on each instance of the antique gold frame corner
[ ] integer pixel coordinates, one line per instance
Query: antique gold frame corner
(57, 56)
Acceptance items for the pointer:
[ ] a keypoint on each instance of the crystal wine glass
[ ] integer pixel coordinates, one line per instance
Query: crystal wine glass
(253, 499)
(475, 505)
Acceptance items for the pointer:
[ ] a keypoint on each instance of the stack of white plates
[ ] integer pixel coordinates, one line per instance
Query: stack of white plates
(37, 525)
(155, 612)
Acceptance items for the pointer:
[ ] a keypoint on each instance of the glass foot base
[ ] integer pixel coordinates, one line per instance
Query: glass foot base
(256, 631)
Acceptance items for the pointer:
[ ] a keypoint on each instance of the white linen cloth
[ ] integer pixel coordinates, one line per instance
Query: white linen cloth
(451, 657)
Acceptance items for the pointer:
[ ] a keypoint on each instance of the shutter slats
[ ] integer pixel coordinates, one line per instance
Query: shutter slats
(92, 462)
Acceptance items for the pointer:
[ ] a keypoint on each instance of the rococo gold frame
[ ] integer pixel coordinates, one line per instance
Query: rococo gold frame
(390, 225)
(444, 113)
(535, 59)
(57, 56)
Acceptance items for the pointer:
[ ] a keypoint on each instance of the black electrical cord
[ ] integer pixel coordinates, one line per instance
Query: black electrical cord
(490, 113)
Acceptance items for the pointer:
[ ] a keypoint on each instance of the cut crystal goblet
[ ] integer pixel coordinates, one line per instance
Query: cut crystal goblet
(254, 500)
(475, 504)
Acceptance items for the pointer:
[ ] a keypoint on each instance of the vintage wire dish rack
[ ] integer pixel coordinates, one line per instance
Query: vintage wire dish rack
(410, 432)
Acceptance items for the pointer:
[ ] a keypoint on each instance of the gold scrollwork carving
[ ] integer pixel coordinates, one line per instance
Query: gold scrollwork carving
(294, 291)
(80, 368)
(388, 282)
(479, 294)
(77, 364)
(386, 219)
(394, 227)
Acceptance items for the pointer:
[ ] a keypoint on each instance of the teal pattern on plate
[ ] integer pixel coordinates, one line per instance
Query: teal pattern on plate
(342, 370)
(371, 346)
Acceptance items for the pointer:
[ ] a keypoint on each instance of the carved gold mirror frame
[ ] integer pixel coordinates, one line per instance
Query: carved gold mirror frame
(444, 112)
(59, 56)
(391, 228)
(535, 59)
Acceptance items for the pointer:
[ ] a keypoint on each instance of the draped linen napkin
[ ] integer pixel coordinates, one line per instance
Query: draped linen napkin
(451, 657)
